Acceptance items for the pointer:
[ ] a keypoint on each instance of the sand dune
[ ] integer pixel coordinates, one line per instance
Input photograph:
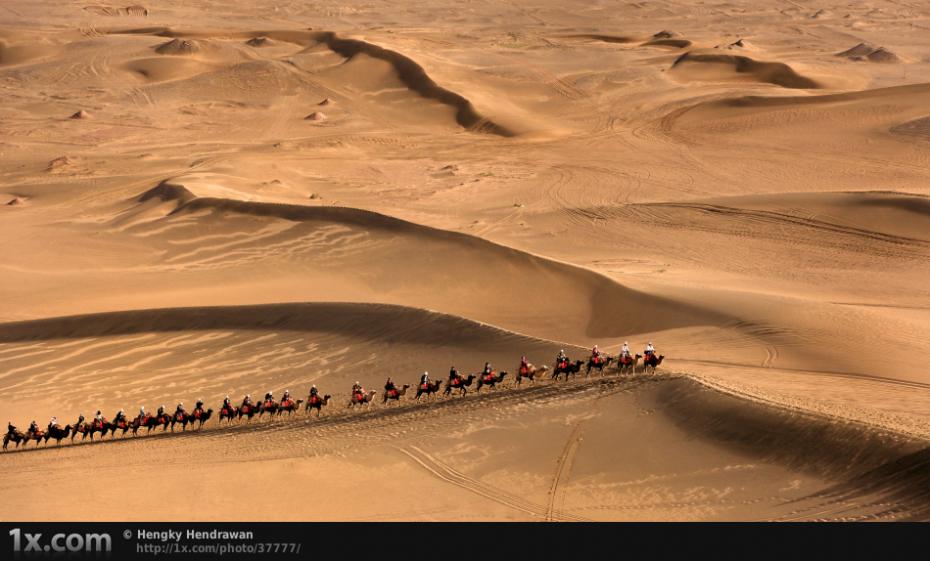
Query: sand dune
(178, 47)
(864, 51)
(11, 55)
(697, 65)
(495, 284)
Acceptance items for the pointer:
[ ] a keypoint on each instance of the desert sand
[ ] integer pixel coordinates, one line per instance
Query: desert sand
(210, 198)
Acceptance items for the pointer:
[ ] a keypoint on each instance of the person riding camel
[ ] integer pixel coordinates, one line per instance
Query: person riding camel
(120, 417)
(161, 410)
(247, 400)
(389, 385)
(596, 355)
(227, 403)
(53, 422)
(142, 414)
(314, 392)
(179, 411)
(10, 427)
(286, 397)
(650, 350)
(33, 427)
(625, 350)
(524, 365)
(269, 397)
(358, 390)
(561, 361)
(454, 377)
(424, 380)
(98, 420)
(199, 405)
(488, 372)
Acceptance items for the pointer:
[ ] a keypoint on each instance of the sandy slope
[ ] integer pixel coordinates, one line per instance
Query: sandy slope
(745, 184)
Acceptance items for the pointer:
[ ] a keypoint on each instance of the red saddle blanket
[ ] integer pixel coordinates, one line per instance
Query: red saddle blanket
(393, 393)
(287, 403)
(489, 378)
(563, 365)
(315, 399)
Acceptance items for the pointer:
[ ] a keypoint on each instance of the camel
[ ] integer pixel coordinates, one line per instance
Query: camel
(628, 364)
(572, 369)
(604, 362)
(248, 411)
(58, 433)
(652, 361)
(460, 384)
(37, 435)
(362, 399)
(290, 406)
(394, 394)
(152, 421)
(429, 389)
(14, 436)
(317, 402)
(182, 417)
(200, 416)
(101, 426)
(123, 424)
(530, 372)
(229, 413)
(269, 406)
(80, 427)
(490, 380)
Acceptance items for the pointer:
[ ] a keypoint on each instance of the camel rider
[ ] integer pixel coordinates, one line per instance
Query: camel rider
(120, 417)
(357, 388)
(161, 410)
(487, 370)
(53, 422)
(596, 355)
(269, 397)
(454, 376)
(389, 385)
(10, 427)
(142, 413)
(313, 391)
(179, 410)
(650, 350)
(561, 360)
(98, 419)
(524, 365)
(424, 380)
(625, 351)
(286, 396)
(247, 400)
(227, 404)
(199, 405)
(33, 427)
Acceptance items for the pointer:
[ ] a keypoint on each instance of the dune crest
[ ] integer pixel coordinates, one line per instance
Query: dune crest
(711, 66)
(178, 47)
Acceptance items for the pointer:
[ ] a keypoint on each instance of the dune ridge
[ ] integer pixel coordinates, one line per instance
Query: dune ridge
(777, 73)
(866, 460)
(411, 73)
(619, 309)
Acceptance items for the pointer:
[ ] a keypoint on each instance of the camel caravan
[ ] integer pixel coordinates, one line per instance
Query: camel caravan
(564, 369)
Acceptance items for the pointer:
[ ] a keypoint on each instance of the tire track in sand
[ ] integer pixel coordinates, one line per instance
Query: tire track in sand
(449, 475)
